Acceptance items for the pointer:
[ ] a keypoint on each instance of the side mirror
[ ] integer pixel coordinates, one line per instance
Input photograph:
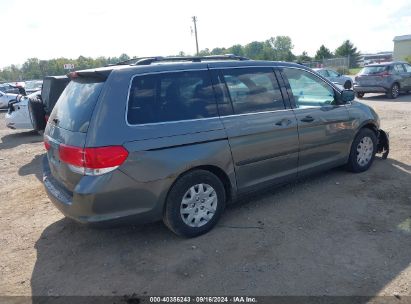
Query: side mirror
(347, 96)
(347, 84)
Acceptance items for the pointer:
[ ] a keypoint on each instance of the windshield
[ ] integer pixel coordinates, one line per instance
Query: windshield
(75, 106)
(376, 69)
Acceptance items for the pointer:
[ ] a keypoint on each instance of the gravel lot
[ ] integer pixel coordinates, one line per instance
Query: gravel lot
(332, 234)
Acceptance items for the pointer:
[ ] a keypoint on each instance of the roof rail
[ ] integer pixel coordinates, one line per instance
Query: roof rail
(125, 62)
(150, 60)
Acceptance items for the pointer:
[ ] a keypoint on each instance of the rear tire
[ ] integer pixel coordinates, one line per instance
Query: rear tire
(363, 151)
(394, 91)
(360, 95)
(194, 203)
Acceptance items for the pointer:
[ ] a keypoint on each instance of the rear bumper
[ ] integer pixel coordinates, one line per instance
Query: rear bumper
(106, 199)
(370, 89)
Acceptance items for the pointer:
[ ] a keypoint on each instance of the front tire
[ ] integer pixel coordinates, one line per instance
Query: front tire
(194, 203)
(394, 91)
(363, 151)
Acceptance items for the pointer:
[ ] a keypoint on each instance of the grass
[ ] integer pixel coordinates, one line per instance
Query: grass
(354, 71)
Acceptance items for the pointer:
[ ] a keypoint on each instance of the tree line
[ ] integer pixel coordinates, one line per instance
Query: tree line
(277, 48)
(280, 49)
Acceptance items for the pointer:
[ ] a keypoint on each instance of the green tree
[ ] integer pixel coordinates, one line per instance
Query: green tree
(283, 48)
(236, 49)
(304, 57)
(205, 52)
(123, 57)
(31, 69)
(254, 50)
(11, 73)
(347, 49)
(323, 53)
(218, 51)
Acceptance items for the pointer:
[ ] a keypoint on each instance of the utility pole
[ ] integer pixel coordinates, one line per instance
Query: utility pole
(195, 32)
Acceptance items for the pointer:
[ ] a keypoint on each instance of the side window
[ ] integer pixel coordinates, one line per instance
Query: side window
(171, 97)
(253, 90)
(399, 68)
(309, 90)
(332, 73)
(323, 73)
(407, 68)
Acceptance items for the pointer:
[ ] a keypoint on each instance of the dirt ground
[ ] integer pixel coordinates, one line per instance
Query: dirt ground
(336, 233)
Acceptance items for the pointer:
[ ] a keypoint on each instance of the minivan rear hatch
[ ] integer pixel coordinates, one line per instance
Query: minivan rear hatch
(372, 75)
(67, 127)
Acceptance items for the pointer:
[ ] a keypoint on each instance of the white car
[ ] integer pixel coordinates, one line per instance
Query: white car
(18, 115)
(5, 98)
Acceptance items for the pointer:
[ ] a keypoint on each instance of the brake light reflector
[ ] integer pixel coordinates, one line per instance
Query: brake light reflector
(46, 144)
(93, 161)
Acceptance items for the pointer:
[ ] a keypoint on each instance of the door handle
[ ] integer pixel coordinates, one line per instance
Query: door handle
(308, 118)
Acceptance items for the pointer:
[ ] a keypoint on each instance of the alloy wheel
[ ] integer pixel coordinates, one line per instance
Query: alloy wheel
(395, 91)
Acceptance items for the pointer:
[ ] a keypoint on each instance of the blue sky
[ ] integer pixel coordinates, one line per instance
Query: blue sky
(49, 28)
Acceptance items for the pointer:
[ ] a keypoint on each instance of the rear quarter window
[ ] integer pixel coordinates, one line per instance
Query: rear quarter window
(370, 70)
(75, 106)
(169, 97)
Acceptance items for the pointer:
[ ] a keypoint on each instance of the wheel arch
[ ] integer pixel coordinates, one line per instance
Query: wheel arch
(368, 125)
(217, 171)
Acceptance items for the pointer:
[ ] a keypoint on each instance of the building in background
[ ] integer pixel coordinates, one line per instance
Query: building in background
(402, 47)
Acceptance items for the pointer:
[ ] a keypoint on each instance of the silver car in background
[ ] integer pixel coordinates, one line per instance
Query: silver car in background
(390, 78)
(5, 98)
(335, 77)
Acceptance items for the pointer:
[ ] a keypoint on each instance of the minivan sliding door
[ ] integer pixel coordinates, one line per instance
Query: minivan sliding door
(261, 131)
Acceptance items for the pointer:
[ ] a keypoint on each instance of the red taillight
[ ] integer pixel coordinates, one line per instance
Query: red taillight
(46, 118)
(104, 157)
(383, 74)
(71, 155)
(95, 159)
(47, 144)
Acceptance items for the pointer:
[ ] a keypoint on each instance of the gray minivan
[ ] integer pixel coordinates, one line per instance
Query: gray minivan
(176, 138)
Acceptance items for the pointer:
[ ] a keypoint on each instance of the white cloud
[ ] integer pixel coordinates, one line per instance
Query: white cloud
(49, 29)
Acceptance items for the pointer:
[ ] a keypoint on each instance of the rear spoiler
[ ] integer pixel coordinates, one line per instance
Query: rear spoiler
(100, 75)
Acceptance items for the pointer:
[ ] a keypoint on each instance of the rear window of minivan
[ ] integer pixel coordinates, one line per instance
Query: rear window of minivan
(75, 106)
(169, 97)
(376, 69)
